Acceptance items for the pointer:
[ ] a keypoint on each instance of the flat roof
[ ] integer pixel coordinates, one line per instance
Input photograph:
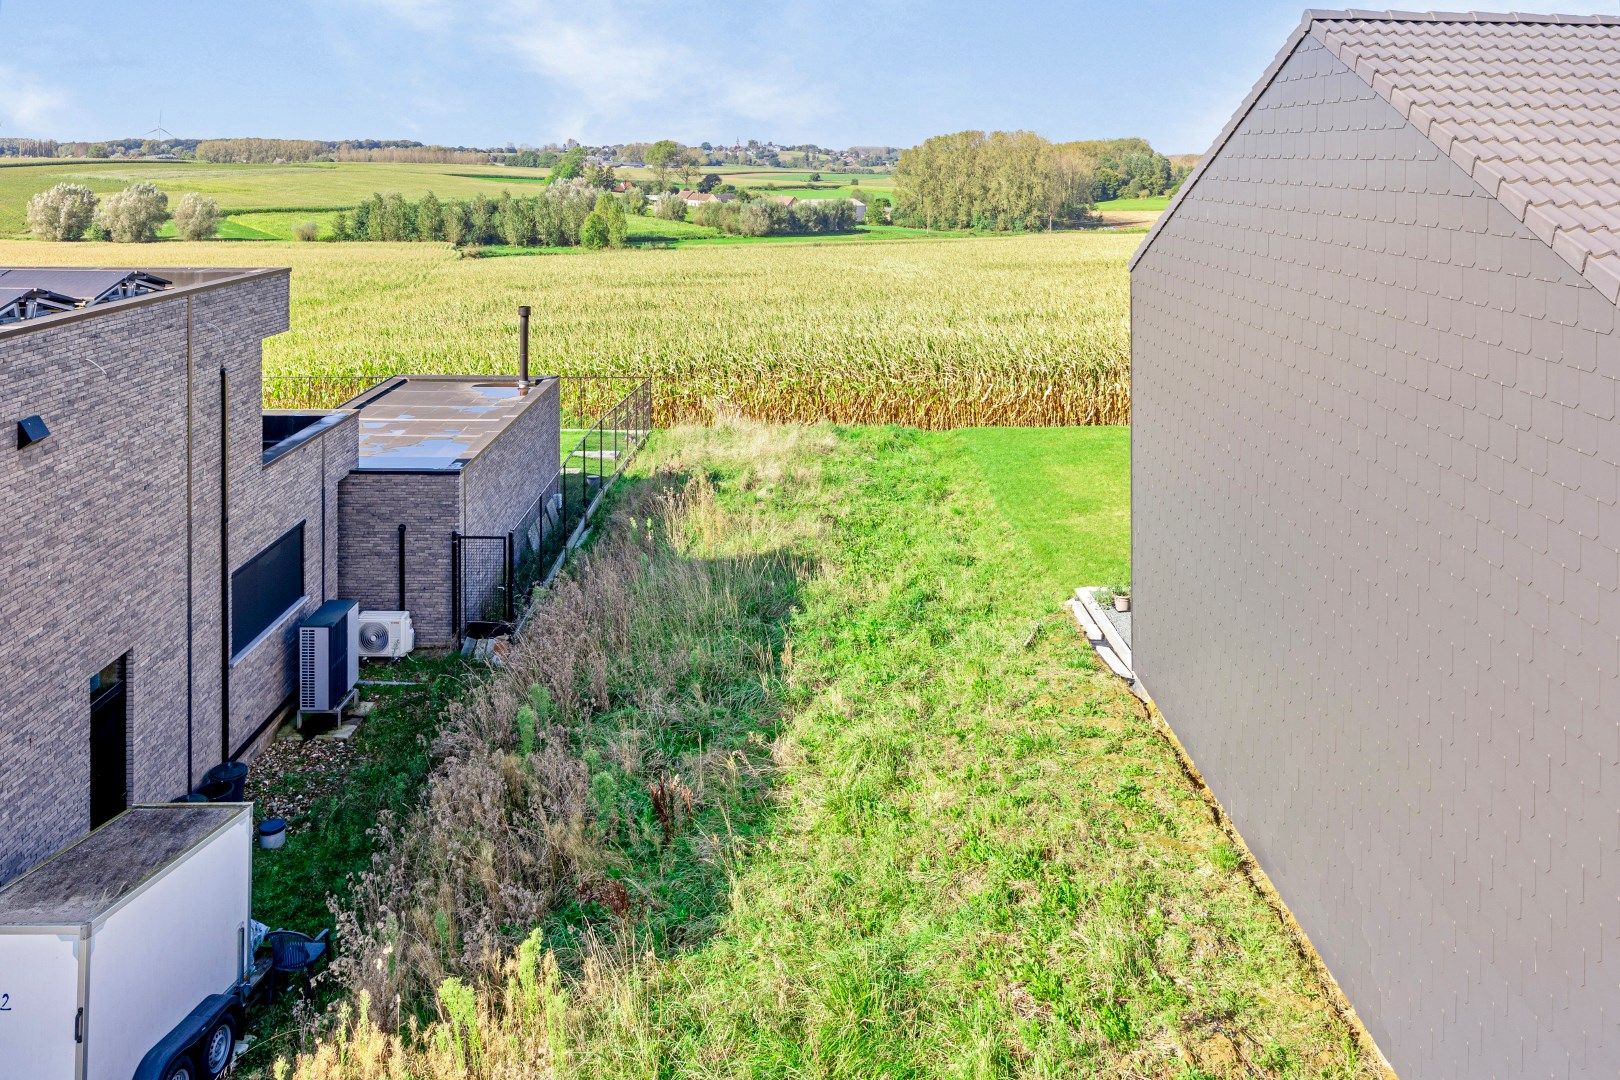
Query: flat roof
(92, 875)
(100, 290)
(437, 423)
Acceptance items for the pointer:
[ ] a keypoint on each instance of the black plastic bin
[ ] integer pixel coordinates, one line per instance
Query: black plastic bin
(225, 782)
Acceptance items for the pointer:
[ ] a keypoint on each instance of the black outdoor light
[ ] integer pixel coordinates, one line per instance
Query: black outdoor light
(31, 430)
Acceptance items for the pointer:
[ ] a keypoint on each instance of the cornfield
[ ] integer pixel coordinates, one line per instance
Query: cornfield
(1021, 330)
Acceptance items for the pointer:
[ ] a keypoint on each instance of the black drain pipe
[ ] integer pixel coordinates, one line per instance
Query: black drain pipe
(224, 565)
(523, 347)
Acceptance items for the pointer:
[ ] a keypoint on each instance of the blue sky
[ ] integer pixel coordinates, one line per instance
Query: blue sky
(535, 71)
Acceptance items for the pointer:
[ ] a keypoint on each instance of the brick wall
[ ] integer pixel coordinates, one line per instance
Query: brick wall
(1375, 570)
(371, 507)
(501, 486)
(95, 548)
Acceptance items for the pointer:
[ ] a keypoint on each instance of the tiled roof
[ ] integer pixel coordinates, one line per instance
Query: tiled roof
(1528, 105)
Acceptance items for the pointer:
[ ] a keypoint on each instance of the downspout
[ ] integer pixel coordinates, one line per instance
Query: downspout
(224, 565)
(191, 586)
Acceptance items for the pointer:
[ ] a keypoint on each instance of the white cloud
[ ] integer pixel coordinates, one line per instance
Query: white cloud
(28, 105)
(618, 77)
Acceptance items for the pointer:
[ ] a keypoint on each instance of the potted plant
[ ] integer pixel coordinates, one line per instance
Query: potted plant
(1122, 598)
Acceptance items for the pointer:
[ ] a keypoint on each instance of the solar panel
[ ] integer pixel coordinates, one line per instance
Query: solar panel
(17, 304)
(89, 286)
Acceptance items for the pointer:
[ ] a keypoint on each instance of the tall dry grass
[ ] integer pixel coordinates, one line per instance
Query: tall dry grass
(666, 610)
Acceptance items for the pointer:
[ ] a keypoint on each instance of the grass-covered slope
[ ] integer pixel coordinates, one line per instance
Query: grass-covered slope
(846, 797)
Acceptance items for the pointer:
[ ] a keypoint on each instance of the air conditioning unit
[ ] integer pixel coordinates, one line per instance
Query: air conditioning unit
(386, 634)
(328, 656)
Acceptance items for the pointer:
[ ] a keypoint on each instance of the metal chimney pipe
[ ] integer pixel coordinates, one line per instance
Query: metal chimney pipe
(523, 346)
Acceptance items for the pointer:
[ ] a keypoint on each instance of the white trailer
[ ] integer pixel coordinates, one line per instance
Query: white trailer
(128, 954)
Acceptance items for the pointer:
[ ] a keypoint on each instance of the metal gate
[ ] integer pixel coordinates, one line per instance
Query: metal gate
(481, 580)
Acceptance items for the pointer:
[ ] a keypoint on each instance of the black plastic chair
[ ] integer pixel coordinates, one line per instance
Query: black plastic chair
(293, 953)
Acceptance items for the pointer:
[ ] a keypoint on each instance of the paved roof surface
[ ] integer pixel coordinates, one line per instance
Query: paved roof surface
(93, 874)
(1528, 105)
(437, 424)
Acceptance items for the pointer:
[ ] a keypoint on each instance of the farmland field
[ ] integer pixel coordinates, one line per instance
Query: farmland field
(317, 189)
(935, 332)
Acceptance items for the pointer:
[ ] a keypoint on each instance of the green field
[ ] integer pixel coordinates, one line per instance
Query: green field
(924, 833)
(1152, 203)
(318, 185)
(935, 332)
(315, 190)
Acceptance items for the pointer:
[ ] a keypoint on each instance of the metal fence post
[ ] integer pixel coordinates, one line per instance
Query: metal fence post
(511, 576)
(455, 584)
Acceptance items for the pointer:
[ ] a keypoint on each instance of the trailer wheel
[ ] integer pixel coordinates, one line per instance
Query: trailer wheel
(180, 1069)
(218, 1048)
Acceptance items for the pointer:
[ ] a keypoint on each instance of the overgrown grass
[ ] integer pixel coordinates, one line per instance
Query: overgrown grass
(818, 783)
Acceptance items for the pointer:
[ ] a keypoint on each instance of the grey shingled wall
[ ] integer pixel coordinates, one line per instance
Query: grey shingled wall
(1375, 569)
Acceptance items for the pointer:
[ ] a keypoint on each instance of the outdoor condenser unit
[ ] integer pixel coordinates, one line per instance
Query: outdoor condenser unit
(328, 656)
(386, 634)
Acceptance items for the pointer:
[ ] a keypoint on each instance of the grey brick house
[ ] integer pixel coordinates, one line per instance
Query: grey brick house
(161, 536)
(1376, 539)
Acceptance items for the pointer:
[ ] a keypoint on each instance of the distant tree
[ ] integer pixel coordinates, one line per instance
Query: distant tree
(661, 156)
(600, 176)
(815, 178)
(430, 218)
(519, 226)
(306, 231)
(341, 227)
(62, 213)
(709, 182)
(612, 214)
(97, 150)
(634, 201)
(397, 219)
(132, 216)
(671, 208)
(458, 223)
(593, 233)
(688, 164)
(570, 164)
(485, 227)
(197, 217)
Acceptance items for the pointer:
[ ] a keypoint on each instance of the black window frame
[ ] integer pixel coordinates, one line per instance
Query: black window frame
(268, 574)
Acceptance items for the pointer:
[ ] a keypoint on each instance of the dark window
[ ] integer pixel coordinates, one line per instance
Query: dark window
(265, 587)
(109, 742)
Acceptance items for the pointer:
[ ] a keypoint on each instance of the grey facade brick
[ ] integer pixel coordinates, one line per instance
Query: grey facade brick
(1375, 568)
(490, 496)
(109, 531)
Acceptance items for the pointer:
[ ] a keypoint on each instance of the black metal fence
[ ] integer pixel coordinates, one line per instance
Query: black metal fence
(494, 578)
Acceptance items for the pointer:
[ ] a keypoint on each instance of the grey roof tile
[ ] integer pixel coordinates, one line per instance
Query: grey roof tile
(1525, 104)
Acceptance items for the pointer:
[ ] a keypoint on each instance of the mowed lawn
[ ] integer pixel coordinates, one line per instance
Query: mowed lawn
(929, 837)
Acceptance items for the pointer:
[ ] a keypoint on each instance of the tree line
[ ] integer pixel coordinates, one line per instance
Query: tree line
(567, 213)
(767, 217)
(69, 212)
(1017, 180)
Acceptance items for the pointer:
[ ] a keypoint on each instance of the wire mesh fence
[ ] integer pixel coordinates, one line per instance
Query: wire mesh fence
(496, 578)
